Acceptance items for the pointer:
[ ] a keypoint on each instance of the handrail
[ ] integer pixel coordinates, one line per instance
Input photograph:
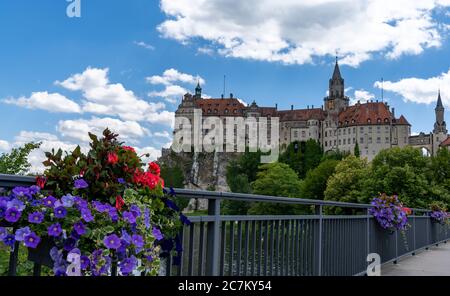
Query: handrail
(11, 181)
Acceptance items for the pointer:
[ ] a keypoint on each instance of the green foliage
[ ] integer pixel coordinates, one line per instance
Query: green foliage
(302, 156)
(400, 171)
(16, 162)
(315, 183)
(346, 183)
(356, 150)
(276, 179)
(174, 177)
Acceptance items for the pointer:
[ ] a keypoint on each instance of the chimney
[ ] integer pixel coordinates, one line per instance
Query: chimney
(231, 95)
(276, 106)
(222, 96)
(393, 112)
(292, 107)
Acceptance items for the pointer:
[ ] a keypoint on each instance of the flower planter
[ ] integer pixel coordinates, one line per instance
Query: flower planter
(41, 255)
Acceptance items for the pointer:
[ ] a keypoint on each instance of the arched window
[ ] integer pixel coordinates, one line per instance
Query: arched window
(379, 120)
(209, 110)
(368, 120)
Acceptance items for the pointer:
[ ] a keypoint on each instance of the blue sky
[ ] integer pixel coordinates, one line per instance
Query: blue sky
(286, 58)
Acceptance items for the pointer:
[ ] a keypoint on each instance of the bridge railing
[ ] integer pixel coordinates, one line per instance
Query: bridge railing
(285, 245)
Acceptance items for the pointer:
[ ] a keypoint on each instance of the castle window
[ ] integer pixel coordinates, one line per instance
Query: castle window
(386, 120)
(235, 112)
(209, 110)
(215, 111)
(354, 140)
(344, 141)
(379, 120)
(378, 129)
(226, 111)
(354, 130)
(368, 120)
(326, 134)
(326, 143)
(361, 140)
(303, 134)
(378, 140)
(370, 129)
(344, 131)
(387, 140)
(370, 140)
(339, 142)
(361, 129)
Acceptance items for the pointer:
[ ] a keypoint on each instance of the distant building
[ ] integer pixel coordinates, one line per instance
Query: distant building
(336, 125)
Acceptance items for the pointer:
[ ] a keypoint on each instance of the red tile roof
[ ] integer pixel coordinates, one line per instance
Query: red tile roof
(370, 113)
(301, 115)
(446, 143)
(219, 107)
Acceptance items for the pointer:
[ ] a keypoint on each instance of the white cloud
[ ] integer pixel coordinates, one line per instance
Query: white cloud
(52, 102)
(144, 45)
(163, 134)
(103, 97)
(48, 142)
(206, 50)
(171, 78)
(362, 96)
(4, 146)
(297, 32)
(78, 130)
(151, 151)
(420, 90)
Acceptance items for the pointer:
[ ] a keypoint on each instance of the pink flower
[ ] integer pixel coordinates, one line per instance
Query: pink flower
(113, 158)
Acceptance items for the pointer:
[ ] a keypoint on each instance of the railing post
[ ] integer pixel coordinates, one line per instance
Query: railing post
(13, 260)
(368, 231)
(319, 211)
(414, 232)
(396, 246)
(213, 239)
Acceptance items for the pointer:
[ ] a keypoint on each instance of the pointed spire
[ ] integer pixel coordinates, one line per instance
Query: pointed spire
(337, 72)
(439, 101)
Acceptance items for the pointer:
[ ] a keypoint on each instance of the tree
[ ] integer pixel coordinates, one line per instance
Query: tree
(302, 156)
(174, 177)
(356, 150)
(16, 162)
(276, 179)
(400, 171)
(346, 184)
(315, 183)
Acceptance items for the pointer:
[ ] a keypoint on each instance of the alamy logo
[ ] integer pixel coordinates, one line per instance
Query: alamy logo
(374, 268)
(229, 134)
(74, 8)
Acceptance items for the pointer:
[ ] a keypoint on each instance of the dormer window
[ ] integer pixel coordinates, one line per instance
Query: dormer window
(379, 120)
(386, 120)
(215, 111)
(353, 121)
(226, 111)
(209, 110)
(368, 120)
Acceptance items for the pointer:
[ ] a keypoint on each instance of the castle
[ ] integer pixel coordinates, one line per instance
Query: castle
(337, 125)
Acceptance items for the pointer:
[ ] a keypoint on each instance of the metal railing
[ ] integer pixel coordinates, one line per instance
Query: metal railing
(285, 245)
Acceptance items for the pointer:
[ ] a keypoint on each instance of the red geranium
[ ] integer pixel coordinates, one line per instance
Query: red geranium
(406, 210)
(147, 179)
(113, 158)
(119, 203)
(41, 181)
(154, 168)
(128, 148)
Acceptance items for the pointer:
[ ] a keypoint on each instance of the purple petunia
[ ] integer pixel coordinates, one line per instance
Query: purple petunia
(2, 211)
(128, 216)
(157, 233)
(32, 240)
(84, 262)
(21, 233)
(79, 228)
(12, 215)
(112, 241)
(100, 207)
(36, 217)
(9, 240)
(68, 201)
(121, 181)
(112, 212)
(81, 184)
(60, 212)
(128, 265)
(69, 244)
(135, 210)
(86, 214)
(54, 230)
(147, 218)
(3, 233)
(15, 203)
(21, 192)
(49, 201)
(137, 240)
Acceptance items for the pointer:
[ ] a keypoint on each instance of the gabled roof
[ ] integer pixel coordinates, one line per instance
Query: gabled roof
(402, 121)
(219, 107)
(370, 113)
(301, 114)
(446, 143)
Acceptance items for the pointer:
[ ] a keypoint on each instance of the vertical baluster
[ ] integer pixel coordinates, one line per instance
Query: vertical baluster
(266, 245)
(13, 259)
(239, 242)
(260, 247)
(200, 251)
(272, 244)
(180, 267)
(231, 258)
(247, 223)
(277, 243)
(223, 247)
(283, 224)
(288, 247)
(253, 247)
(191, 250)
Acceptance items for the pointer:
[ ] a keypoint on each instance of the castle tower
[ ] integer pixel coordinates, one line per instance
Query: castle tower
(440, 127)
(198, 91)
(336, 100)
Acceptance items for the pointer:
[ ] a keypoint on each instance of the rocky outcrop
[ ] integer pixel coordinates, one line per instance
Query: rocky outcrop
(202, 171)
